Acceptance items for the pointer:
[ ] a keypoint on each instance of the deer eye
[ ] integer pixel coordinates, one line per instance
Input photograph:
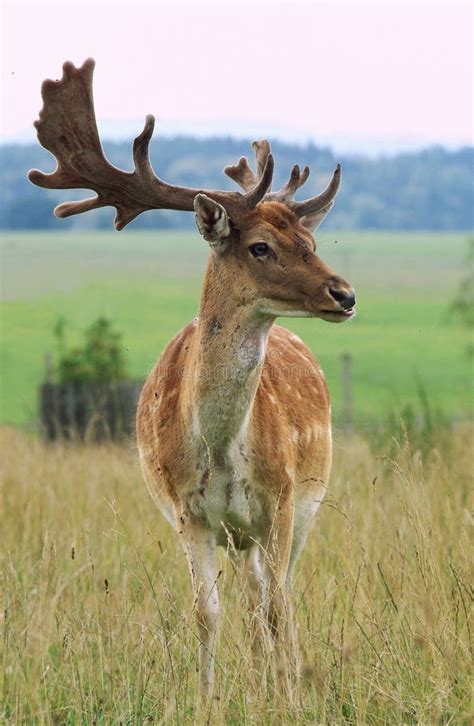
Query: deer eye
(259, 250)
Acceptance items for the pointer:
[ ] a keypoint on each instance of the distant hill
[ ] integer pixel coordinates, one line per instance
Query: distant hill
(427, 190)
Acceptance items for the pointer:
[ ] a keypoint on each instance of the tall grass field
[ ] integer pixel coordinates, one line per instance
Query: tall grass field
(98, 623)
(148, 283)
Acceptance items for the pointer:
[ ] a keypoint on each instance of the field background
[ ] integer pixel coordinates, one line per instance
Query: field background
(98, 623)
(148, 283)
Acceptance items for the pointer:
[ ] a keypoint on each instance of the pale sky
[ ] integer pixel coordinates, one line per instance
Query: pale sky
(352, 74)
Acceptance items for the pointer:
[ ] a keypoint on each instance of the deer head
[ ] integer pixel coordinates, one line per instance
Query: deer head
(261, 240)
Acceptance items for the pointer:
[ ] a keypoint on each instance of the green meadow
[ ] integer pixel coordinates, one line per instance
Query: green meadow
(148, 283)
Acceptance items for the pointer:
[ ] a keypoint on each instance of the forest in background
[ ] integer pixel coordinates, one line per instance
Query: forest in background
(430, 189)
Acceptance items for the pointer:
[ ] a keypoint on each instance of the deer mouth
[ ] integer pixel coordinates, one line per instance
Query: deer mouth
(336, 316)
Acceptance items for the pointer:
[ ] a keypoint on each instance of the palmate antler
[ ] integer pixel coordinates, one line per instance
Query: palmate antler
(246, 178)
(68, 129)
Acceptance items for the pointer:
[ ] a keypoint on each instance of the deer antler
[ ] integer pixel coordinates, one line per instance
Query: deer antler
(321, 201)
(246, 178)
(242, 173)
(68, 129)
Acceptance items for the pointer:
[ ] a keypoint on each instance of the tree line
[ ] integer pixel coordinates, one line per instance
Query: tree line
(430, 189)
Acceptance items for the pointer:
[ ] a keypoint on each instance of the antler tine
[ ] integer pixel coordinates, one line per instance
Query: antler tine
(68, 129)
(243, 174)
(318, 203)
(262, 152)
(260, 191)
(288, 190)
(296, 180)
(141, 149)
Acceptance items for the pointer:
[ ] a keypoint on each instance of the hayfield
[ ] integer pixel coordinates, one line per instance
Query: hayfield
(98, 624)
(148, 283)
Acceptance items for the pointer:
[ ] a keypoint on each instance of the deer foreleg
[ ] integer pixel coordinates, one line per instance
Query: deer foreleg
(277, 594)
(200, 547)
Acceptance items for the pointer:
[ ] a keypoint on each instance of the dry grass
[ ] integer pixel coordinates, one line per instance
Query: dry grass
(98, 625)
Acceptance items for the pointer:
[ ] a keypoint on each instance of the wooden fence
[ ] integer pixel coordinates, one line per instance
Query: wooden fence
(91, 412)
(97, 412)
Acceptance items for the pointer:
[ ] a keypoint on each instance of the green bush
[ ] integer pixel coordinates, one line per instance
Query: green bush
(99, 360)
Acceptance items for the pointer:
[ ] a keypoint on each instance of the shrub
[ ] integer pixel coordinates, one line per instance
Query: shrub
(99, 360)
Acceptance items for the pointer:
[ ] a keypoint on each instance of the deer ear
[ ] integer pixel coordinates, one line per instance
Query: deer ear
(312, 221)
(212, 220)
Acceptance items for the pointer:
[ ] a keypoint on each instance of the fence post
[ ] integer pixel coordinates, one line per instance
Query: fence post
(347, 400)
(48, 368)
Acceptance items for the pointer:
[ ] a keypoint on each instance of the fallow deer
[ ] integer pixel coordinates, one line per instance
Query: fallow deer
(234, 421)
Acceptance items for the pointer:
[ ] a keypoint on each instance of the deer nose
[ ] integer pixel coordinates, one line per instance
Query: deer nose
(345, 298)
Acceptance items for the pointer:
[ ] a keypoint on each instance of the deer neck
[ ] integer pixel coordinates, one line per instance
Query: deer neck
(231, 344)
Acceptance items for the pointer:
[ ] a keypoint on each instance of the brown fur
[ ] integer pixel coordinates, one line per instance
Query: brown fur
(289, 426)
(233, 423)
